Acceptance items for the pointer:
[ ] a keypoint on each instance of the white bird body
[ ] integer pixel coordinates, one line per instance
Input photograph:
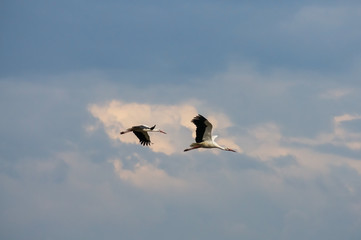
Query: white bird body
(141, 131)
(207, 144)
(204, 138)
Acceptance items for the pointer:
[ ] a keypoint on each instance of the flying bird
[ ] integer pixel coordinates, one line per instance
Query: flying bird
(141, 132)
(204, 138)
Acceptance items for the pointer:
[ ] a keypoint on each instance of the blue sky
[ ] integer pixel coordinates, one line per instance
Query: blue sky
(280, 83)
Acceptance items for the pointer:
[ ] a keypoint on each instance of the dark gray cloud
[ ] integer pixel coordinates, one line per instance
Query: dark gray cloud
(182, 38)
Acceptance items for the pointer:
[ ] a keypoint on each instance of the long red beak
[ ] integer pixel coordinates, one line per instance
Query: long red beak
(162, 132)
(231, 150)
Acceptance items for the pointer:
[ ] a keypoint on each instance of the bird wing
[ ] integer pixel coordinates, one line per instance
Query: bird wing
(214, 137)
(140, 128)
(143, 137)
(203, 130)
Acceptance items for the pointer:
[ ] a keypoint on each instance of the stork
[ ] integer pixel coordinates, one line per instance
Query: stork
(141, 132)
(204, 138)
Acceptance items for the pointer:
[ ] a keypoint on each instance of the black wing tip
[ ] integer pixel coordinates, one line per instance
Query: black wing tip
(197, 118)
(152, 127)
(144, 143)
(143, 138)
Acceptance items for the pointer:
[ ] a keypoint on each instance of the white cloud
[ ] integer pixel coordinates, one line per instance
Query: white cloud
(264, 142)
(148, 177)
(340, 136)
(344, 118)
(173, 119)
(336, 94)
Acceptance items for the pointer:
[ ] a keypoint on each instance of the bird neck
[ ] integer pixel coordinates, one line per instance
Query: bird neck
(218, 146)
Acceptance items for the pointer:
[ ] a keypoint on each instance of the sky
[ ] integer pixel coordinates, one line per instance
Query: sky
(280, 82)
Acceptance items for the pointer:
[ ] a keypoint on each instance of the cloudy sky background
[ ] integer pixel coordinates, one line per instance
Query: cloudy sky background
(279, 81)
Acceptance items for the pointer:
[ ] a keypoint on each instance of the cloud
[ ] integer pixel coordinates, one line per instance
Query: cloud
(116, 188)
(148, 177)
(173, 119)
(265, 142)
(340, 136)
(329, 17)
(290, 100)
(344, 118)
(335, 94)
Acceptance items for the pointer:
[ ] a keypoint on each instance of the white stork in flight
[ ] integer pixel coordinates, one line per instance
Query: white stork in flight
(141, 132)
(204, 138)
